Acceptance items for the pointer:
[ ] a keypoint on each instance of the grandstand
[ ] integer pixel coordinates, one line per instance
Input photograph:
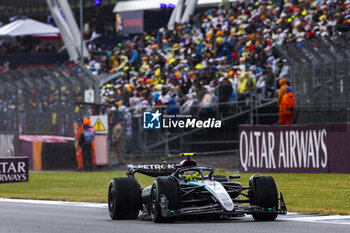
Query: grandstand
(234, 55)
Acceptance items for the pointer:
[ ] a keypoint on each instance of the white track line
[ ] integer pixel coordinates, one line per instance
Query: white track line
(333, 219)
(59, 203)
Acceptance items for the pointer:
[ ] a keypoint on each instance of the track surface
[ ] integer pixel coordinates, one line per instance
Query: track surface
(27, 216)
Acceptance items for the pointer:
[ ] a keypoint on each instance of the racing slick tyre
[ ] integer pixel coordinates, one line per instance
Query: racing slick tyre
(168, 188)
(265, 195)
(124, 198)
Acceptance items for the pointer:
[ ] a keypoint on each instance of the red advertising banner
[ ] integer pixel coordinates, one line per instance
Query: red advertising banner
(313, 148)
(130, 22)
(14, 169)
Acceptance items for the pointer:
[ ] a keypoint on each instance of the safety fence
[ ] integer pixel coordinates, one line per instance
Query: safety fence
(43, 100)
(320, 78)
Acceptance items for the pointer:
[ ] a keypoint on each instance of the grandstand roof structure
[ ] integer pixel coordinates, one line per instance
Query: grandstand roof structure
(135, 5)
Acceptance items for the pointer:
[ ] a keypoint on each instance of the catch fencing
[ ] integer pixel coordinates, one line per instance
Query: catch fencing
(42, 100)
(320, 78)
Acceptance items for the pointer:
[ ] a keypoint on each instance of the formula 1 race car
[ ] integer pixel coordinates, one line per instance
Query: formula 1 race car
(186, 190)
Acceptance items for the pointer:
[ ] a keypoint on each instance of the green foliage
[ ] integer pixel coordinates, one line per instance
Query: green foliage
(307, 193)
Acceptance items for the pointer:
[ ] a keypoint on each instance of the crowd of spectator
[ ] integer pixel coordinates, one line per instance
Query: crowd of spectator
(220, 55)
(27, 44)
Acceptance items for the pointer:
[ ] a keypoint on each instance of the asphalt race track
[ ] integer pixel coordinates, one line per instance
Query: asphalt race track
(28, 216)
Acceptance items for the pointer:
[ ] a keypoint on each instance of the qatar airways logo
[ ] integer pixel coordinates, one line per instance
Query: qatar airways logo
(290, 149)
(156, 120)
(14, 169)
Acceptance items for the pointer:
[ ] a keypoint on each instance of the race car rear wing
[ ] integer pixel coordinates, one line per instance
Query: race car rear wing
(153, 170)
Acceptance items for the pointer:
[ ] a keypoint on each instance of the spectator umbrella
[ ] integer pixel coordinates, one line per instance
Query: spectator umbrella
(28, 27)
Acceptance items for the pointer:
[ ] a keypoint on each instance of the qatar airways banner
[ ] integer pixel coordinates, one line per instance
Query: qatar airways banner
(313, 148)
(13, 169)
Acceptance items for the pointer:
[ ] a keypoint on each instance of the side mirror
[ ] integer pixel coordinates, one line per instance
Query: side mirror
(234, 177)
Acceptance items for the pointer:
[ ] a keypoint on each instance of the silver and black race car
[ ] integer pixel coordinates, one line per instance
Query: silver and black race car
(185, 190)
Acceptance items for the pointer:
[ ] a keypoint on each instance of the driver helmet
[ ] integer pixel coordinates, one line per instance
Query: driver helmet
(191, 175)
(188, 163)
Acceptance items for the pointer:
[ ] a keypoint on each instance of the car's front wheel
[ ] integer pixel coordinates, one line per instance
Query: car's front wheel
(124, 198)
(164, 191)
(265, 195)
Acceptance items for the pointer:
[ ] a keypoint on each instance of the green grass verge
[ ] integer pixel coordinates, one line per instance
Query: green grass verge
(307, 193)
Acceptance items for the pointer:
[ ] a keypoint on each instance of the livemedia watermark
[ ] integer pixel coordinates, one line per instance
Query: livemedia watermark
(157, 120)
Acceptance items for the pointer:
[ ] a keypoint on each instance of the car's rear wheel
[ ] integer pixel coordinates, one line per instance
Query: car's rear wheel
(164, 190)
(265, 195)
(124, 198)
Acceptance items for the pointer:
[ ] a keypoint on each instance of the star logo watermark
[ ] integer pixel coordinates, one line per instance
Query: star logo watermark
(152, 120)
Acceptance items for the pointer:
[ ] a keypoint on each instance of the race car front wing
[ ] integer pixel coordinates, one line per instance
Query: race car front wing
(216, 208)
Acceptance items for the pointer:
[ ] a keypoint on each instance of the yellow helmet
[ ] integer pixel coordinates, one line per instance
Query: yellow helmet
(191, 175)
